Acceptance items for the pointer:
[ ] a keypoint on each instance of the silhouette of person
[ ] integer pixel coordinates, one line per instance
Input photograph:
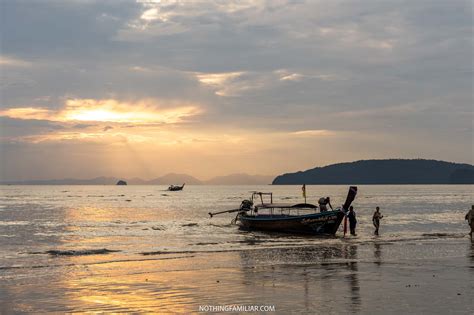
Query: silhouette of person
(352, 220)
(470, 220)
(376, 220)
(323, 204)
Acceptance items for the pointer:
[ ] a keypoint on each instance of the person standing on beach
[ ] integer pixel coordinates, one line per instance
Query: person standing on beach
(376, 220)
(352, 220)
(470, 220)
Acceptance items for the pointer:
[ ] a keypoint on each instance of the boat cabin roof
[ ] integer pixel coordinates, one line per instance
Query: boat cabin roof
(286, 206)
(263, 205)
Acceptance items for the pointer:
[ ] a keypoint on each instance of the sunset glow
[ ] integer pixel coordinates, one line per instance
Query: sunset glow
(27, 113)
(212, 88)
(89, 110)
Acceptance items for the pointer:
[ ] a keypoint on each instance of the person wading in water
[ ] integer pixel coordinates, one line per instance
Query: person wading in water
(376, 220)
(352, 220)
(470, 220)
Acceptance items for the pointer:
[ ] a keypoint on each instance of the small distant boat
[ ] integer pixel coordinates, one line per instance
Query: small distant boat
(175, 187)
(302, 218)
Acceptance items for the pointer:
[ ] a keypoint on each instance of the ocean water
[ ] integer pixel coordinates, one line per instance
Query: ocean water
(49, 233)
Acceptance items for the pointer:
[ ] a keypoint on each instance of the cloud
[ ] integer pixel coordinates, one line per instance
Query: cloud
(300, 69)
(230, 83)
(6, 61)
(313, 133)
(292, 77)
(217, 79)
(288, 75)
(84, 137)
(107, 110)
(25, 113)
(169, 17)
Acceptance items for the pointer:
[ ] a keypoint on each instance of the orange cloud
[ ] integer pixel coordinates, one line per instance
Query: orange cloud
(313, 132)
(108, 110)
(27, 113)
(91, 137)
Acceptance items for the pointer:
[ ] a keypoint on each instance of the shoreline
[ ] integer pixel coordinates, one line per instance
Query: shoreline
(414, 276)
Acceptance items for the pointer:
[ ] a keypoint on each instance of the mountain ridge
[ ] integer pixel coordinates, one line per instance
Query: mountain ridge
(374, 171)
(167, 179)
(383, 171)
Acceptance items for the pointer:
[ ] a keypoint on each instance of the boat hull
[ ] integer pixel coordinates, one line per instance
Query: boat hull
(324, 223)
(175, 189)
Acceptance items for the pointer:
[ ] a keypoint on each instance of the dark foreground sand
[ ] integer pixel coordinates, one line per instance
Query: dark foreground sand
(433, 276)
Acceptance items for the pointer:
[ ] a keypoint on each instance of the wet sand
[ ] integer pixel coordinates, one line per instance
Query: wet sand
(434, 276)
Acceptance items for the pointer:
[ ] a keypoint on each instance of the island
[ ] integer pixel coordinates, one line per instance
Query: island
(121, 183)
(378, 172)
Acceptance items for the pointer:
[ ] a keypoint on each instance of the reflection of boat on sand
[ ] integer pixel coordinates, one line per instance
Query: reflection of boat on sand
(289, 218)
(175, 187)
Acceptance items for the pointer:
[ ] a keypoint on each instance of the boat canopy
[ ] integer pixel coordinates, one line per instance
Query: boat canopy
(263, 205)
(285, 205)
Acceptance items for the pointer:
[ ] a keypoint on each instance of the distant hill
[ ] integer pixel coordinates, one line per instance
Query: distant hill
(174, 179)
(392, 171)
(65, 181)
(240, 179)
(168, 179)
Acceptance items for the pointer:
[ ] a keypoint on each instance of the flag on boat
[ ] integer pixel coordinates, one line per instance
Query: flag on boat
(304, 190)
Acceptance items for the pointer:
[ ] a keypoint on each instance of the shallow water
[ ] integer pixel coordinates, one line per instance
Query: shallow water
(141, 248)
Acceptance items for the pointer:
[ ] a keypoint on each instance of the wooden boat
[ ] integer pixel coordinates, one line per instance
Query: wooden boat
(289, 218)
(175, 187)
(314, 223)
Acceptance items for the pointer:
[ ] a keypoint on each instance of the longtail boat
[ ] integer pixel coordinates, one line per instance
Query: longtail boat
(176, 187)
(301, 218)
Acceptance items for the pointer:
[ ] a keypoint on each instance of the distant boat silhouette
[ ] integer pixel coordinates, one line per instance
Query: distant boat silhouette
(121, 183)
(176, 187)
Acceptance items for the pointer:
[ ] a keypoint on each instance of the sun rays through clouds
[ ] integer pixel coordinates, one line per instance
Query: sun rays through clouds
(106, 119)
(108, 110)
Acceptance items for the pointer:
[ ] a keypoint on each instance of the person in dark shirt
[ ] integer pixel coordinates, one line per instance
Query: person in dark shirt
(352, 220)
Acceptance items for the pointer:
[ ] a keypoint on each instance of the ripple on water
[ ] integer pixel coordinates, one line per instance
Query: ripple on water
(8, 223)
(78, 252)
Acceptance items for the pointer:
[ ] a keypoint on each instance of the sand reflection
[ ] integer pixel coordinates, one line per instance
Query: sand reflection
(134, 286)
(350, 253)
(377, 254)
(471, 254)
(309, 276)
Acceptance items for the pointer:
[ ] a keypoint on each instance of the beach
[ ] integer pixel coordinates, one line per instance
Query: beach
(127, 256)
(434, 276)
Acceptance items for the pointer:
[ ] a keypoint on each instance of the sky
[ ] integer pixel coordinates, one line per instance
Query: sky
(144, 88)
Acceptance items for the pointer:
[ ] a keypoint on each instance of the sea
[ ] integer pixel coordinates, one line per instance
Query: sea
(146, 249)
